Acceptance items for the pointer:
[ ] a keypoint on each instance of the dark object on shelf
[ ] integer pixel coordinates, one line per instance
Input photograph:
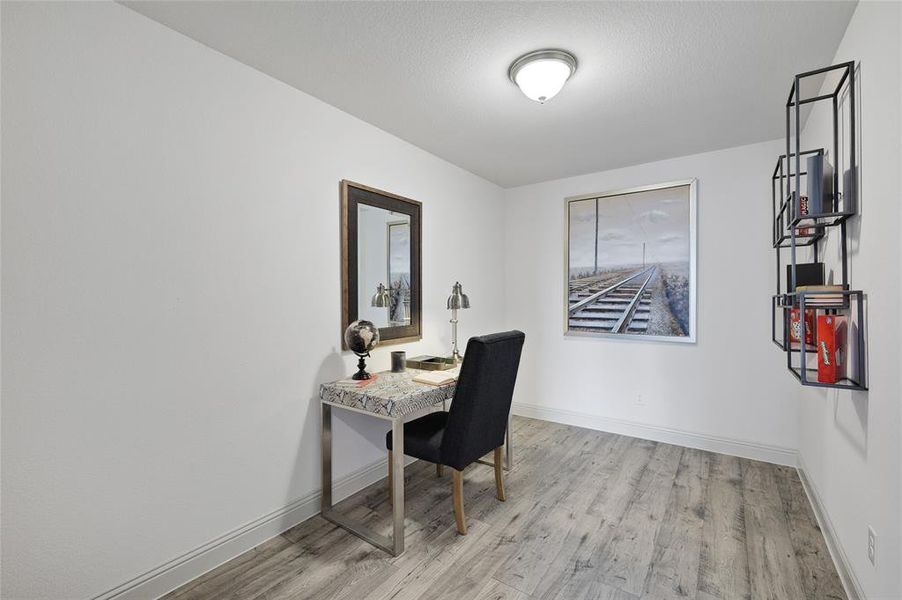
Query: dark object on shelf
(431, 363)
(848, 197)
(398, 358)
(360, 337)
(820, 184)
(806, 274)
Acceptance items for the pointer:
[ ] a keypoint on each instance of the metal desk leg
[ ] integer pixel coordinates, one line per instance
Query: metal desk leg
(326, 454)
(393, 545)
(397, 458)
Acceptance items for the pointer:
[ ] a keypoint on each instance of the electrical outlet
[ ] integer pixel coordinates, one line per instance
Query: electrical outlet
(872, 546)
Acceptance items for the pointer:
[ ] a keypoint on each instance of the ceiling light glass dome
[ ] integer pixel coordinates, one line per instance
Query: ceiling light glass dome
(540, 75)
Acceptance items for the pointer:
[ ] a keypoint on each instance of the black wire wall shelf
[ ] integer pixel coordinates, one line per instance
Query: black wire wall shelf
(815, 327)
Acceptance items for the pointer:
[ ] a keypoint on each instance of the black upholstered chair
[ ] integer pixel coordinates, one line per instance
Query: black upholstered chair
(477, 421)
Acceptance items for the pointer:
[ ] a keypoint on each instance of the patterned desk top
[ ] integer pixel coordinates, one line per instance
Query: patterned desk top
(387, 393)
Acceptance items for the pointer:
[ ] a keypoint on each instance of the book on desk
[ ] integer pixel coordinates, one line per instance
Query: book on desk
(436, 378)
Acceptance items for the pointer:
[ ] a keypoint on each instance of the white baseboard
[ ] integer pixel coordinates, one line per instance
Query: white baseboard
(744, 449)
(193, 564)
(846, 574)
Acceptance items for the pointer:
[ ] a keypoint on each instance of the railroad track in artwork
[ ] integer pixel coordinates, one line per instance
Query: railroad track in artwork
(624, 307)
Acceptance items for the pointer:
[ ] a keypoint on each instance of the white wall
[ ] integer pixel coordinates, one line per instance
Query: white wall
(850, 441)
(729, 391)
(170, 291)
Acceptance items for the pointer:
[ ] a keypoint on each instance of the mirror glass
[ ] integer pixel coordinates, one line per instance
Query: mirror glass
(383, 258)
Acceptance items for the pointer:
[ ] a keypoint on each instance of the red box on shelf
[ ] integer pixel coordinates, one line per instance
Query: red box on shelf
(795, 327)
(832, 334)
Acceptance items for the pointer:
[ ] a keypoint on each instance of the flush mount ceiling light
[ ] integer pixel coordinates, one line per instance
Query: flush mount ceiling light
(541, 74)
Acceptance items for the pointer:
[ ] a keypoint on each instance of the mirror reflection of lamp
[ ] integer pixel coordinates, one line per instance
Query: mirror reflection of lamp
(457, 300)
(381, 298)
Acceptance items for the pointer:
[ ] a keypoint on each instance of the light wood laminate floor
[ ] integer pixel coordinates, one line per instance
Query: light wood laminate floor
(589, 515)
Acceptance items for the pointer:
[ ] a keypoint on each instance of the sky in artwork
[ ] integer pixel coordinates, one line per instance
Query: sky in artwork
(659, 219)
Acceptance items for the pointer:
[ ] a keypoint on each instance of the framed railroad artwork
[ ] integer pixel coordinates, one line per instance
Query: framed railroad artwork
(630, 263)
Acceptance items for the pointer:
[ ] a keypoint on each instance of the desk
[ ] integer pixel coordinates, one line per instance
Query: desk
(393, 397)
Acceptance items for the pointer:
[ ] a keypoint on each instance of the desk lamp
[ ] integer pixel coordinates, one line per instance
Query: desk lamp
(456, 301)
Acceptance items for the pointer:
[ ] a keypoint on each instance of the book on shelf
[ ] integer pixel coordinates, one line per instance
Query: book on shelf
(832, 350)
(823, 295)
(820, 288)
(436, 378)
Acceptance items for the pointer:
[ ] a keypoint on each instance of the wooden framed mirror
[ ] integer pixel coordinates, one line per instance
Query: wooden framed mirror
(380, 262)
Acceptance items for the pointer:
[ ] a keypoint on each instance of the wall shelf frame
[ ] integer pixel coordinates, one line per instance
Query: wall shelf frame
(803, 223)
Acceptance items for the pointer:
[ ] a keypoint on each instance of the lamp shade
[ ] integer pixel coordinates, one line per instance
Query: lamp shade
(381, 298)
(458, 299)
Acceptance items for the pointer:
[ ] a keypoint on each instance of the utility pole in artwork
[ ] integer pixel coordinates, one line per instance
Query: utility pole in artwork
(643, 254)
(596, 237)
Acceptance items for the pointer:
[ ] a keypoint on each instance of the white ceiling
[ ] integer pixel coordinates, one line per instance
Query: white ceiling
(655, 80)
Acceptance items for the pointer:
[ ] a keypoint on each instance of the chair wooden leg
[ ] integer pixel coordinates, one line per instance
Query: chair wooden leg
(439, 470)
(459, 501)
(391, 487)
(499, 475)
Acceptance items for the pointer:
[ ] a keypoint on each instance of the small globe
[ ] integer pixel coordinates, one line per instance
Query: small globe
(361, 337)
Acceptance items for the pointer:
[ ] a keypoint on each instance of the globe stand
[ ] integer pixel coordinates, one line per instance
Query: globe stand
(361, 373)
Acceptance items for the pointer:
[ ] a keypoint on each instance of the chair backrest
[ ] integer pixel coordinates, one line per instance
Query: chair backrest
(482, 401)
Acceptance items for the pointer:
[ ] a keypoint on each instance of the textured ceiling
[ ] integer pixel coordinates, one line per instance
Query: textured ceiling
(655, 80)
